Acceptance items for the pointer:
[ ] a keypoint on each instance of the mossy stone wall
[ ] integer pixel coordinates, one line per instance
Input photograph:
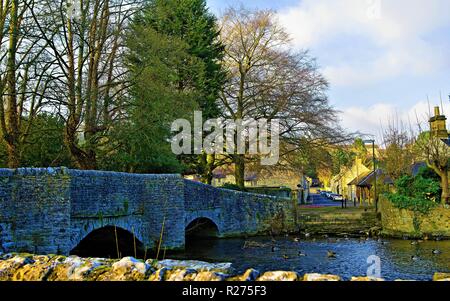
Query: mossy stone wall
(399, 222)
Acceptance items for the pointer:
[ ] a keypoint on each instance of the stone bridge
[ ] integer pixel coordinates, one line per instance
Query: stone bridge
(50, 210)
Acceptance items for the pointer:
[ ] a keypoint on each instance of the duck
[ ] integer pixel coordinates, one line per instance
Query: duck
(414, 242)
(331, 254)
(300, 253)
(325, 236)
(307, 235)
(274, 249)
(296, 239)
(382, 241)
(414, 257)
(436, 252)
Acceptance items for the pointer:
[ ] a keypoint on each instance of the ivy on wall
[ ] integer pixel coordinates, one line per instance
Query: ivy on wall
(419, 194)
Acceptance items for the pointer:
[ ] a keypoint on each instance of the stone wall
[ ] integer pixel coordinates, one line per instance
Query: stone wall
(237, 213)
(334, 220)
(399, 222)
(35, 210)
(50, 210)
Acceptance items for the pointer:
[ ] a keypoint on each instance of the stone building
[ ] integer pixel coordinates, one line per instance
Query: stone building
(344, 183)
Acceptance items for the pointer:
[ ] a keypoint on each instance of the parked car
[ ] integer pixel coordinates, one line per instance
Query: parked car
(337, 197)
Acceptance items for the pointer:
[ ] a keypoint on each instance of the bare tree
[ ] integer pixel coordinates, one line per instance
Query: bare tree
(398, 155)
(86, 44)
(23, 76)
(268, 80)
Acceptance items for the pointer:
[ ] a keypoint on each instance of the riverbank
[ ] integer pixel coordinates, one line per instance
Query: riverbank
(28, 267)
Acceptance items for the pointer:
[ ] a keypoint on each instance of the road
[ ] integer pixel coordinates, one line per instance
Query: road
(322, 201)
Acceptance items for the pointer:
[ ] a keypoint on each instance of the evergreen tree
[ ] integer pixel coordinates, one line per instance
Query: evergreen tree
(190, 21)
(139, 142)
(202, 74)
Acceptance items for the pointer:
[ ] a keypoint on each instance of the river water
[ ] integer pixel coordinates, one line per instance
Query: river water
(399, 259)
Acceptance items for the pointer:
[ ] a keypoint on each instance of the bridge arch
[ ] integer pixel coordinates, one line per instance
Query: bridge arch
(99, 240)
(202, 227)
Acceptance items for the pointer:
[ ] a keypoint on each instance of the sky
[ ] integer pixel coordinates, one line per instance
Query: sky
(382, 58)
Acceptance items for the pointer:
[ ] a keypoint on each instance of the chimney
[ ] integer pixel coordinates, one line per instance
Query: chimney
(438, 126)
(436, 111)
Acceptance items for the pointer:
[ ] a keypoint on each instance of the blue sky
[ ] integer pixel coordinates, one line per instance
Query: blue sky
(381, 57)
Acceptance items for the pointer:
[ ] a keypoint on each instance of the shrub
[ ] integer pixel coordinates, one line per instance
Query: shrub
(417, 193)
(232, 187)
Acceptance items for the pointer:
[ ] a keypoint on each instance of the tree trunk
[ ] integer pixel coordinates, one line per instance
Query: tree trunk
(13, 155)
(239, 170)
(444, 185)
(210, 166)
(443, 174)
(209, 178)
(83, 160)
(12, 124)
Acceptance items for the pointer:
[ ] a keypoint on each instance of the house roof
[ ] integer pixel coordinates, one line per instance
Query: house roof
(220, 173)
(415, 168)
(359, 178)
(369, 178)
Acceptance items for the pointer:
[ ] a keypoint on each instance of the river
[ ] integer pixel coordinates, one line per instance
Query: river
(400, 259)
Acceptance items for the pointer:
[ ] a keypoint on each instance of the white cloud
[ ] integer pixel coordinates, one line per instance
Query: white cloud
(410, 60)
(394, 33)
(372, 119)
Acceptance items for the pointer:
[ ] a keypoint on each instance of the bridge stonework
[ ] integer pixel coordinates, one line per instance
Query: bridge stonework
(50, 210)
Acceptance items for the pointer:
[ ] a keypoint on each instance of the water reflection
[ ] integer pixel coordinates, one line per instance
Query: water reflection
(400, 259)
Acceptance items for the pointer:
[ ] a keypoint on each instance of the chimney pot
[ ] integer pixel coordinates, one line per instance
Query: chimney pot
(436, 111)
